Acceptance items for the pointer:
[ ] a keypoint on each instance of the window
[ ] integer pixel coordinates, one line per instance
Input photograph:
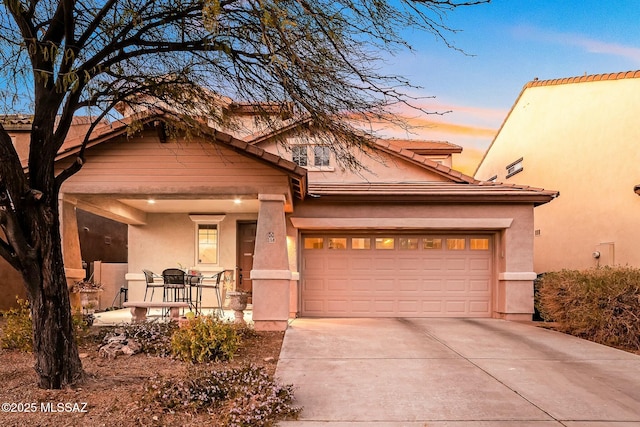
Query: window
(455, 244)
(299, 155)
(207, 243)
(360, 243)
(479, 244)
(337, 243)
(408, 243)
(429, 243)
(385, 242)
(514, 167)
(321, 156)
(313, 242)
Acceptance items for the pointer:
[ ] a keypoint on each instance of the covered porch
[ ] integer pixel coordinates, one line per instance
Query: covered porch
(208, 204)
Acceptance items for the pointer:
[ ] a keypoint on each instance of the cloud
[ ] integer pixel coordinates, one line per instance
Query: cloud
(596, 46)
(586, 43)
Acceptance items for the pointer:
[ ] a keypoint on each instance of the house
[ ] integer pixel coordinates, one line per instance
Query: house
(579, 136)
(405, 237)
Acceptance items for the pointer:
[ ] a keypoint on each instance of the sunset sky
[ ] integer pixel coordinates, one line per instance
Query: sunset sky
(512, 42)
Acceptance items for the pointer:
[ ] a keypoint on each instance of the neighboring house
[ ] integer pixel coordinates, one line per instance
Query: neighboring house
(407, 237)
(579, 136)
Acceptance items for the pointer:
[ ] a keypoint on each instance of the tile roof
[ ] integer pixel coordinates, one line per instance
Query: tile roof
(585, 78)
(479, 191)
(427, 146)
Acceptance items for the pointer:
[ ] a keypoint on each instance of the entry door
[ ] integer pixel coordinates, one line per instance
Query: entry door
(246, 247)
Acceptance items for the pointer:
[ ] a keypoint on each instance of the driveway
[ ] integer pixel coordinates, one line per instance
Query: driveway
(454, 372)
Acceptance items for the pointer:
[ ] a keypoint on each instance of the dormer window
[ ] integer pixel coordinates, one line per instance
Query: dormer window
(514, 167)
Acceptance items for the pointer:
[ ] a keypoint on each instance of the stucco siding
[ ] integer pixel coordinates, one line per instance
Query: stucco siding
(580, 139)
(376, 167)
(140, 164)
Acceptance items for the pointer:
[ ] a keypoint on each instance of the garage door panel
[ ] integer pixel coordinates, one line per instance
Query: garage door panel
(435, 264)
(385, 264)
(312, 285)
(479, 285)
(384, 284)
(456, 264)
(362, 307)
(360, 285)
(385, 307)
(417, 278)
(409, 285)
(337, 264)
(337, 284)
(432, 285)
(481, 265)
(361, 263)
(478, 307)
(455, 285)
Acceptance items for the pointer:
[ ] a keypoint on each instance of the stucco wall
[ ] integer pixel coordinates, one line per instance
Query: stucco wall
(580, 139)
(378, 167)
(169, 240)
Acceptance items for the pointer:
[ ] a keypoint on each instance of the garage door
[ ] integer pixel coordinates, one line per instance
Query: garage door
(396, 275)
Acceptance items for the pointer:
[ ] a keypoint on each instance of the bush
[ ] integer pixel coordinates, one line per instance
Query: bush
(17, 332)
(205, 339)
(154, 337)
(599, 304)
(250, 396)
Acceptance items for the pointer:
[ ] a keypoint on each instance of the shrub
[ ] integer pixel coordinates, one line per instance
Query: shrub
(17, 332)
(249, 395)
(599, 304)
(205, 339)
(154, 337)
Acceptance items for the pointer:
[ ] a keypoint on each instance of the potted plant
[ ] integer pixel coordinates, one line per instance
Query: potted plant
(85, 296)
(238, 299)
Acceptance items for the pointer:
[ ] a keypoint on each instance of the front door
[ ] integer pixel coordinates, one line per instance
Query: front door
(246, 247)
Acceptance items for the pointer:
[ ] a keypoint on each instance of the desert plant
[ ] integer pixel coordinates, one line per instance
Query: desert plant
(250, 395)
(154, 337)
(205, 339)
(599, 304)
(17, 333)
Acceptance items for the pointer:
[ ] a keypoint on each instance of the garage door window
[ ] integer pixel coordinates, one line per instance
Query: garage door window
(408, 243)
(313, 242)
(455, 244)
(360, 243)
(337, 243)
(479, 244)
(385, 242)
(429, 243)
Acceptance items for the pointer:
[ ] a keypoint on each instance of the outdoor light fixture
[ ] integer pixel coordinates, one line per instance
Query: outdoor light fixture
(151, 201)
(237, 201)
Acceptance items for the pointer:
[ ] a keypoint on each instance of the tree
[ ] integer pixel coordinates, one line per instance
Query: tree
(67, 57)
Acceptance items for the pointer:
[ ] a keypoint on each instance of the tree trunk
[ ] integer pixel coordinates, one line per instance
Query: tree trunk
(57, 361)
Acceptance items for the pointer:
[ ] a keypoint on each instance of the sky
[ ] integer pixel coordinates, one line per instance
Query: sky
(507, 44)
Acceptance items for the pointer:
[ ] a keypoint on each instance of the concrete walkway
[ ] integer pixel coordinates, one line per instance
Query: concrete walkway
(454, 372)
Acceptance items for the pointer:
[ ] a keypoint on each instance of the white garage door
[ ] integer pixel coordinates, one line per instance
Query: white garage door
(396, 275)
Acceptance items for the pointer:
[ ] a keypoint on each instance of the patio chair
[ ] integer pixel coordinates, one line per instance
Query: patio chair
(174, 286)
(218, 280)
(150, 277)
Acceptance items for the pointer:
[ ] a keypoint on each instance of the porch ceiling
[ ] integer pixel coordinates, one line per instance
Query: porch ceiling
(193, 206)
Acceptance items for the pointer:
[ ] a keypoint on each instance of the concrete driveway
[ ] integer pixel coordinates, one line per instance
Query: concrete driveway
(454, 372)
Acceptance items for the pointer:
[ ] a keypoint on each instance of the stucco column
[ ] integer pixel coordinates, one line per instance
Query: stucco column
(271, 275)
(515, 276)
(70, 241)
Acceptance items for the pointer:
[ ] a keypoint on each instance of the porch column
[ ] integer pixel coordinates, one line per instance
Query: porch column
(70, 241)
(271, 274)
